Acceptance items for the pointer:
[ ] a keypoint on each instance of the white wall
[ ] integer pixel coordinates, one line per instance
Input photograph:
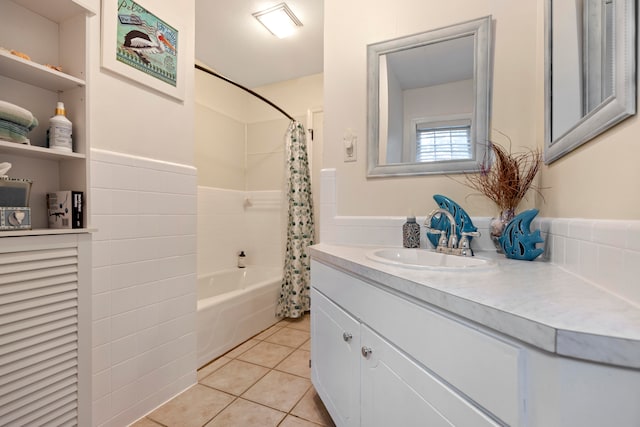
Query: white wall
(220, 149)
(591, 182)
(142, 201)
(144, 300)
(239, 138)
(128, 117)
(227, 224)
(240, 146)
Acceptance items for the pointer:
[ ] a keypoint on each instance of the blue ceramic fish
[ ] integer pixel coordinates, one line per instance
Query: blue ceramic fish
(463, 222)
(517, 240)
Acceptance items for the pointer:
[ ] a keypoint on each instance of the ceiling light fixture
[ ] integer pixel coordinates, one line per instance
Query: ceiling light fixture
(279, 20)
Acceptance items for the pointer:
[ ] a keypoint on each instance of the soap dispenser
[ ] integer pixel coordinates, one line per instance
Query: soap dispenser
(411, 233)
(241, 260)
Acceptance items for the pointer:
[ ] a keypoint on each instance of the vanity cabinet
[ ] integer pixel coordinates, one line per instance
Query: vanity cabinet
(405, 363)
(411, 361)
(51, 32)
(335, 367)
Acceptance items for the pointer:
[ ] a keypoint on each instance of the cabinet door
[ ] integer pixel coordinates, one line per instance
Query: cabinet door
(335, 361)
(396, 391)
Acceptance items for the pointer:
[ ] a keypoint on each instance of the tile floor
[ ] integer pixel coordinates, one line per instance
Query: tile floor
(264, 382)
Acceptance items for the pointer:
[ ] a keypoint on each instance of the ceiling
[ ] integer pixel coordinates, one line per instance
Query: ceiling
(232, 42)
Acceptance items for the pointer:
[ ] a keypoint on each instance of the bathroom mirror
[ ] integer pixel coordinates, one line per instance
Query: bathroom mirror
(428, 101)
(590, 59)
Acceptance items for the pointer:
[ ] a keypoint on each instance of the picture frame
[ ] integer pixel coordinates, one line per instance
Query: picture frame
(143, 46)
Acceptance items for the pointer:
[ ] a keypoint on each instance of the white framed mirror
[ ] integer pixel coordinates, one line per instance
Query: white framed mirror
(428, 101)
(590, 70)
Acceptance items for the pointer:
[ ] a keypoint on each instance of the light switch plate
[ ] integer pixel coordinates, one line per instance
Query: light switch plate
(350, 142)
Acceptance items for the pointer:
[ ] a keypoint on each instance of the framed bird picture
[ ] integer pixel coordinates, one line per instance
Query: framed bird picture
(142, 46)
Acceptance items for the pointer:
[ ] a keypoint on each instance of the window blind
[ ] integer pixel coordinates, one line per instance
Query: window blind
(442, 143)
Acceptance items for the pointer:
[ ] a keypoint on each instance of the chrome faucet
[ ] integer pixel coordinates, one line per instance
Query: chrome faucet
(450, 245)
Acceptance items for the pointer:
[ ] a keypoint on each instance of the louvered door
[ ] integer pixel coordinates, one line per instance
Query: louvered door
(39, 330)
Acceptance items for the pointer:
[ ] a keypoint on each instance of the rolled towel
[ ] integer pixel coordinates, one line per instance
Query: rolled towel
(16, 114)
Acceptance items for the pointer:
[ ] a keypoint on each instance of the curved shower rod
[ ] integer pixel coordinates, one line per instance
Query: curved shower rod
(257, 95)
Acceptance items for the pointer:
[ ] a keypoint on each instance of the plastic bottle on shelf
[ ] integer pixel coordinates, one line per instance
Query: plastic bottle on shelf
(60, 129)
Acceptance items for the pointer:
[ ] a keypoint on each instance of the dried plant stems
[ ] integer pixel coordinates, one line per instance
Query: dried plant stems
(507, 180)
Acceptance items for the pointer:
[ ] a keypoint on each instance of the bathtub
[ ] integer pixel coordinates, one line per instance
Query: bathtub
(233, 306)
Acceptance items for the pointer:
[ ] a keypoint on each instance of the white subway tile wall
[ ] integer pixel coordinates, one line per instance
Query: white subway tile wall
(144, 284)
(230, 221)
(604, 252)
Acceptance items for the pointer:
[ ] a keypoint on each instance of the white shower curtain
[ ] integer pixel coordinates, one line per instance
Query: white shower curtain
(294, 295)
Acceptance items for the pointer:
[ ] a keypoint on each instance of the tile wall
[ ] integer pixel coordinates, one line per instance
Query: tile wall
(231, 221)
(605, 252)
(144, 282)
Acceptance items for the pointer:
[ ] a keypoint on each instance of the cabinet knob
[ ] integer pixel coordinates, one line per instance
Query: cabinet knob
(366, 352)
(346, 336)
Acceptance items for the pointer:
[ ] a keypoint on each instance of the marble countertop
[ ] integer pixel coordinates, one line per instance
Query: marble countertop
(535, 302)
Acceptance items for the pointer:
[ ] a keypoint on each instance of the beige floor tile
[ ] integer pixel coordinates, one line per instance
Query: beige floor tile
(213, 366)
(306, 345)
(193, 408)
(241, 348)
(266, 354)
(278, 390)
(302, 324)
(235, 377)
(311, 408)
(243, 413)
(292, 421)
(297, 363)
(145, 422)
(289, 337)
(268, 332)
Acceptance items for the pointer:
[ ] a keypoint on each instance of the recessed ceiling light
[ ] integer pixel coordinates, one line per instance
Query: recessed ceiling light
(279, 20)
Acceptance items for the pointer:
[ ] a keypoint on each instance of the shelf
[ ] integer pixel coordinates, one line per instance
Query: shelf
(45, 231)
(57, 10)
(32, 73)
(7, 147)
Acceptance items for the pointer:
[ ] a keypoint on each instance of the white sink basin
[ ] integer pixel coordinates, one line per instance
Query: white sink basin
(430, 260)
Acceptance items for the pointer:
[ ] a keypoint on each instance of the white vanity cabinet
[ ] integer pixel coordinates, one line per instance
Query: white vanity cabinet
(415, 359)
(336, 369)
(406, 364)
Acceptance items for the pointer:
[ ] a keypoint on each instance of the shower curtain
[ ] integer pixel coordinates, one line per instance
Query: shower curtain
(294, 295)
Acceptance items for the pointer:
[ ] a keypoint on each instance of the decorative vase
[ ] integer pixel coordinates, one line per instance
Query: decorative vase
(497, 225)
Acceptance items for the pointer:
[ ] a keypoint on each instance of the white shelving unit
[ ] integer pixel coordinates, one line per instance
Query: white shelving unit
(45, 274)
(50, 32)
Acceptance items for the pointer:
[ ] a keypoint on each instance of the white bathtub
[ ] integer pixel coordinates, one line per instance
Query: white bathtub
(233, 306)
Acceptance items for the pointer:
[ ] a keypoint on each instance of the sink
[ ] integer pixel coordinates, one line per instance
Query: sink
(429, 260)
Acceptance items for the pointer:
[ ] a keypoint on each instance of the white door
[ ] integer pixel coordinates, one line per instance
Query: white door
(335, 361)
(396, 391)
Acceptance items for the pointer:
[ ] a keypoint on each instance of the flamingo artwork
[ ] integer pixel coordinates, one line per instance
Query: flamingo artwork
(143, 44)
